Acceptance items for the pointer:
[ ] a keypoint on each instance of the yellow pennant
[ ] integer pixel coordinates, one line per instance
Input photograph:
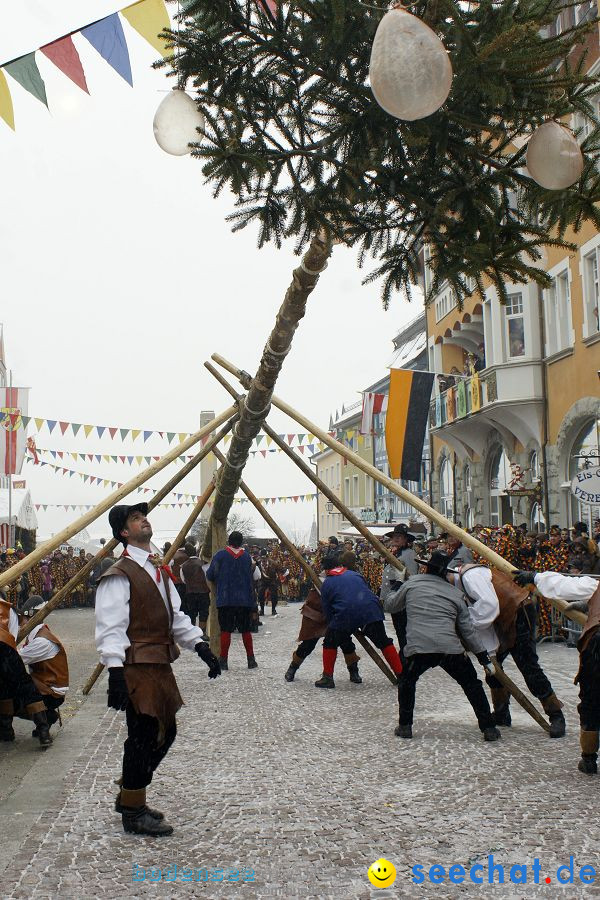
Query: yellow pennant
(135, 433)
(88, 429)
(149, 18)
(6, 106)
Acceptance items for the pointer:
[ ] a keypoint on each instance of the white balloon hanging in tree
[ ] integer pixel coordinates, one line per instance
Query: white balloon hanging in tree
(176, 123)
(410, 70)
(554, 157)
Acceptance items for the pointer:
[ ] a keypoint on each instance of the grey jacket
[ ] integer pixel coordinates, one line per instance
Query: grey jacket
(437, 617)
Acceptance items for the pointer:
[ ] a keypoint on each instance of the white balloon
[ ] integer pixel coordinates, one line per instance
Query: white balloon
(176, 122)
(410, 70)
(554, 157)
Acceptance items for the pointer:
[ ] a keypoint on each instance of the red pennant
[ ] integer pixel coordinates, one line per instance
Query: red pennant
(112, 432)
(264, 453)
(65, 57)
(290, 438)
(63, 426)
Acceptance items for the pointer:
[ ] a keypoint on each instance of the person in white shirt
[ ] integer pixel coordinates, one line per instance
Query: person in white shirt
(46, 658)
(493, 592)
(581, 593)
(17, 689)
(139, 624)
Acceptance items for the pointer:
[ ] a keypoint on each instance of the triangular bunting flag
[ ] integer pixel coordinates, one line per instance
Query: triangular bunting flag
(107, 37)
(290, 438)
(25, 71)
(88, 430)
(123, 432)
(112, 432)
(51, 423)
(39, 423)
(75, 426)
(147, 435)
(100, 429)
(6, 105)
(269, 441)
(135, 433)
(301, 449)
(25, 420)
(182, 436)
(259, 438)
(65, 57)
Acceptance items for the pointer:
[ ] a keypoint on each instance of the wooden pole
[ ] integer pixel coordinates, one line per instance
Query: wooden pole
(108, 548)
(520, 697)
(318, 482)
(47, 547)
(486, 552)
(308, 569)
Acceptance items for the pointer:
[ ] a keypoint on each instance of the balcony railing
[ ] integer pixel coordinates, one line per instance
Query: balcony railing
(459, 401)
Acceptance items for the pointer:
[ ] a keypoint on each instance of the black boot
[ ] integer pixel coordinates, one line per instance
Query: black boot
(403, 731)
(252, 664)
(325, 681)
(155, 813)
(42, 729)
(7, 732)
(223, 663)
(354, 675)
(501, 701)
(491, 734)
(293, 667)
(558, 726)
(137, 818)
(588, 764)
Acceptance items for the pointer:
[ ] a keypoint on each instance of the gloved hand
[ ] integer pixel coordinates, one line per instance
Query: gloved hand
(577, 606)
(118, 695)
(484, 660)
(395, 584)
(523, 578)
(204, 652)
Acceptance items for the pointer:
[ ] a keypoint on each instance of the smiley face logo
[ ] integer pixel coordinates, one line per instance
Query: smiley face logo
(381, 873)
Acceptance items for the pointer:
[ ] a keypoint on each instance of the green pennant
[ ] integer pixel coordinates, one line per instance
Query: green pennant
(75, 426)
(123, 432)
(170, 436)
(25, 71)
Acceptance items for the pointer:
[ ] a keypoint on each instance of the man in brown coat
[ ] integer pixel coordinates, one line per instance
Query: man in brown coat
(139, 624)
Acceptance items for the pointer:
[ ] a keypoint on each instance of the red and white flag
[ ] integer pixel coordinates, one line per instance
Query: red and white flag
(372, 405)
(13, 405)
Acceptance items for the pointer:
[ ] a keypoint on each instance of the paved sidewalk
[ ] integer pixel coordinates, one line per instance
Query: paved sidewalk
(307, 787)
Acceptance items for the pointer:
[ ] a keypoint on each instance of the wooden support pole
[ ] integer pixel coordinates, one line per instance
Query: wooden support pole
(202, 501)
(308, 569)
(318, 482)
(486, 552)
(54, 601)
(48, 546)
(520, 697)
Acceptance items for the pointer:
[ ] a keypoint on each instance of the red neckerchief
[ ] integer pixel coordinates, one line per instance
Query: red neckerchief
(159, 568)
(235, 553)
(339, 570)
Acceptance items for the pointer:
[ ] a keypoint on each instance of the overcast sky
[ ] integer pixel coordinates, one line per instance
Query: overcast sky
(120, 277)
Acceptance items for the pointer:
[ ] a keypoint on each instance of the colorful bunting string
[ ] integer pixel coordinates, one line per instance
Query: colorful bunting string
(148, 17)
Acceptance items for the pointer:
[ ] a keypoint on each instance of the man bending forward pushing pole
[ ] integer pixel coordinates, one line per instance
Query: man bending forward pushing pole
(138, 621)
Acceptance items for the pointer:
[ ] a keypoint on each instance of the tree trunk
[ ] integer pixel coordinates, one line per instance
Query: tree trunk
(258, 400)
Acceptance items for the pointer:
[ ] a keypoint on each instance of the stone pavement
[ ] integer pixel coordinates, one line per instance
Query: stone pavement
(305, 788)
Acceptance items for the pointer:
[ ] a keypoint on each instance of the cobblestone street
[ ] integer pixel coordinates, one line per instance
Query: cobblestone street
(306, 788)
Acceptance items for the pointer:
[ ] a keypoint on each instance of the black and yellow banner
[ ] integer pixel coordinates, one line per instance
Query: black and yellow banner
(406, 421)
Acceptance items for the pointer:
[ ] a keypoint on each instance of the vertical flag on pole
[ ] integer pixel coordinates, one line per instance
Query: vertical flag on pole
(406, 421)
(14, 441)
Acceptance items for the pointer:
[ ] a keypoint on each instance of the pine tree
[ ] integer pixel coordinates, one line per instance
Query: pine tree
(293, 130)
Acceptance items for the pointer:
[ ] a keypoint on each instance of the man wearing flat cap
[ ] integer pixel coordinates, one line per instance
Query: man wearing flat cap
(139, 624)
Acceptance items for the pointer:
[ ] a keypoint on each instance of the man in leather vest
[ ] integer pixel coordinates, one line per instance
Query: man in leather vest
(46, 658)
(581, 593)
(197, 594)
(138, 626)
(17, 689)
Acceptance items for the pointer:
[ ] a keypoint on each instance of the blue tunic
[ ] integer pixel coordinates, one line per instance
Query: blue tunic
(348, 603)
(233, 577)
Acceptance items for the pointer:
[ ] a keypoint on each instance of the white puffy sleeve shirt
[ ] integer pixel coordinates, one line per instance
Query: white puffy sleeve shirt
(484, 607)
(562, 587)
(112, 613)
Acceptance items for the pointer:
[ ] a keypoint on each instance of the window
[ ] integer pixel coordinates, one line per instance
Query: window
(355, 491)
(347, 492)
(591, 292)
(584, 455)
(367, 441)
(326, 477)
(447, 490)
(337, 475)
(500, 509)
(537, 520)
(467, 478)
(584, 11)
(515, 326)
(444, 304)
(534, 465)
(557, 313)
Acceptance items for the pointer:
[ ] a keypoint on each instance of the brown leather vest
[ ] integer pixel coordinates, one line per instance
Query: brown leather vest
(5, 635)
(51, 672)
(150, 624)
(178, 560)
(195, 580)
(511, 598)
(593, 621)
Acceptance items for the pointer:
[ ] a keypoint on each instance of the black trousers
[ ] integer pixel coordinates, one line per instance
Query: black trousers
(142, 753)
(196, 605)
(589, 686)
(375, 631)
(16, 683)
(272, 588)
(305, 648)
(459, 667)
(524, 654)
(399, 622)
(51, 704)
